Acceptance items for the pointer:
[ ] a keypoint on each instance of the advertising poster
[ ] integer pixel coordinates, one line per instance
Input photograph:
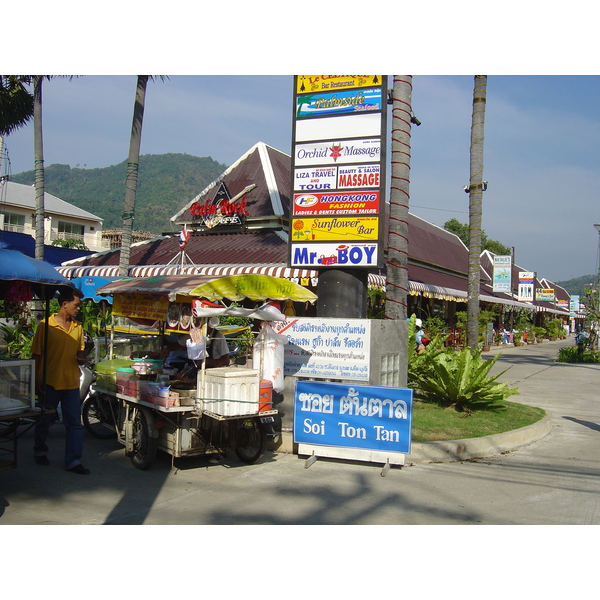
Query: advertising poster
(326, 348)
(353, 416)
(337, 203)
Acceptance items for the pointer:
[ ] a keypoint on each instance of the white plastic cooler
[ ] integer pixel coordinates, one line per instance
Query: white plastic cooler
(230, 391)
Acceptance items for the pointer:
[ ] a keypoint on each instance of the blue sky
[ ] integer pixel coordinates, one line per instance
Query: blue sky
(542, 132)
(541, 148)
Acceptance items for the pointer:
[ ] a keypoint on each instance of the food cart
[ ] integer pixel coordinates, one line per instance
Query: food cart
(150, 409)
(21, 279)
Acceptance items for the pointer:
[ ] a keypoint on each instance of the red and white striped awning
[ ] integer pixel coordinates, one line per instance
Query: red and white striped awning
(275, 270)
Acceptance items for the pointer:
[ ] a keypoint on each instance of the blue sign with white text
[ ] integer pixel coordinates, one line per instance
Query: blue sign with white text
(353, 416)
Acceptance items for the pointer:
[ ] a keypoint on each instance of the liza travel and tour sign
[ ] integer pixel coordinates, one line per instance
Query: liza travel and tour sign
(338, 165)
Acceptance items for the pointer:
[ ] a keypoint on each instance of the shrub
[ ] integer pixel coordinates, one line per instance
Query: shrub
(571, 354)
(457, 379)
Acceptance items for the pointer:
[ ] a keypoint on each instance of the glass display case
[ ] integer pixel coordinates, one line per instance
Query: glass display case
(17, 386)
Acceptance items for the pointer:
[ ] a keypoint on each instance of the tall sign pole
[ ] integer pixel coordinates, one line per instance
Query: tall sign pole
(338, 186)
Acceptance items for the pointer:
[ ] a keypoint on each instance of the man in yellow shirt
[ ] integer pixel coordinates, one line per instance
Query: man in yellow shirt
(64, 355)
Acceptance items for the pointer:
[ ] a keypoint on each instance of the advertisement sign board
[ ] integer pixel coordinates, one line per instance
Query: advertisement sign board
(322, 229)
(139, 307)
(339, 102)
(338, 150)
(544, 294)
(336, 127)
(321, 83)
(337, 203)
(353, 416)
(323, 255)
(326, 348)
(502, 274)
(526, 283)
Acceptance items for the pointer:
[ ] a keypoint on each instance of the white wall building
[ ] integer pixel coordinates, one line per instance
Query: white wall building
(63, 220)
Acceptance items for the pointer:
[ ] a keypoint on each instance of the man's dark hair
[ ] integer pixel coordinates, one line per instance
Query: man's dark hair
(68, 295)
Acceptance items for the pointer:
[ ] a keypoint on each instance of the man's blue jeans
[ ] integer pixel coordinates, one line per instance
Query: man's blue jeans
(71, 417)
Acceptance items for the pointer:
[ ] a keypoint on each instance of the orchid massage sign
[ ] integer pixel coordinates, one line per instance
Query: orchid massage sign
(353, 416)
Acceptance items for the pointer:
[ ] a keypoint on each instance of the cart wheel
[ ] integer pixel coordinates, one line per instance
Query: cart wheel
(97, 417)
(251, 440)
(144, 445)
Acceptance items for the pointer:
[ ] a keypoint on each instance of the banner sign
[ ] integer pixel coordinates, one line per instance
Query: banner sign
(573, 306)
(365, 417)
(140, 307)
(327, 255)
(338, 152)
(338, 103)
(502, 281)
(323, 229)
(336, 203)
(526, 283)
(338, 162)
(336, 127)
(320, 83)
(544, 294)
(326, 348)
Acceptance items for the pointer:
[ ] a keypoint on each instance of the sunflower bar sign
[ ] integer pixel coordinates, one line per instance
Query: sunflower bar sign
(338, 167)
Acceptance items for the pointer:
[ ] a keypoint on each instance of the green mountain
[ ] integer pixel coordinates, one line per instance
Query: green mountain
(166, 183)
(576, 285)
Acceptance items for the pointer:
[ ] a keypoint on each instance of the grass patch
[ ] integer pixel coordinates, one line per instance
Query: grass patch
(430, 422)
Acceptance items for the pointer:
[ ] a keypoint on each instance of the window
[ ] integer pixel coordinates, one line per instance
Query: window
(70, 230)
(14, 222)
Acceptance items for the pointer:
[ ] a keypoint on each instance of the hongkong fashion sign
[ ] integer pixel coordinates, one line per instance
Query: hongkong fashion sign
(353, 416)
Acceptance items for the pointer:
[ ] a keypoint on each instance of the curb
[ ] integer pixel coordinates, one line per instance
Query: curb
(489, 445)
(454, 450)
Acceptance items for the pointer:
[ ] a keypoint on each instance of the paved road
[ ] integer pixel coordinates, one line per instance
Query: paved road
(553, 481)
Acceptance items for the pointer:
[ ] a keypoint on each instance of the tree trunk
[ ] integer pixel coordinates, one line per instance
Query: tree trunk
(475, 210)
(397, 261)
(132, 173)
(38, 149)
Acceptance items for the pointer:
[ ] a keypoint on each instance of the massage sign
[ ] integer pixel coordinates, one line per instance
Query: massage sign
(222, 209)
(338, 166)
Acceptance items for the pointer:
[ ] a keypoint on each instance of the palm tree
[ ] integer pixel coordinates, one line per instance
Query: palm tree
(38, 162)
(475, 200)
(397, 260)
(132, 173)
(16, 103)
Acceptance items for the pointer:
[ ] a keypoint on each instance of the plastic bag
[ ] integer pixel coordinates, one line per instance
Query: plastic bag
(195, 350)
(273, 356)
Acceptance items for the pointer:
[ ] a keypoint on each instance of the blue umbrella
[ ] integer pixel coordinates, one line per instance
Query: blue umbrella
(16, 266)
(88, 285)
